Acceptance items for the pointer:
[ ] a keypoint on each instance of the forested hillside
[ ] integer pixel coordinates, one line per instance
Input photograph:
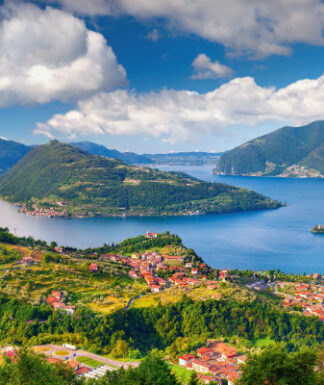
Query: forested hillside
(289, 151)
(65, 180)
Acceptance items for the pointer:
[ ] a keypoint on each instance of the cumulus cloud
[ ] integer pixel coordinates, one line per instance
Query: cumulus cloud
(183, 115)
(251, 27)
(207, 69)
(48, 54)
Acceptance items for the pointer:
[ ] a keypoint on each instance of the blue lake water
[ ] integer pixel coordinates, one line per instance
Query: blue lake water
(259, 240)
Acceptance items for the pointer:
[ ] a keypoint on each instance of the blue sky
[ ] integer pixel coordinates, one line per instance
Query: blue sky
(159, 77)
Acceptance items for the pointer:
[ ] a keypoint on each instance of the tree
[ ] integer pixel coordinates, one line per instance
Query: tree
(53, 245)
(152, 371)
(194, 379)
(275, 366)
(29, 369)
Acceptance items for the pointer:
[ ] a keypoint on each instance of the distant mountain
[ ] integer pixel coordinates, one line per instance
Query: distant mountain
(127, 157)
(288, 151)
(60, 179)
(10, 153)
(185, 158)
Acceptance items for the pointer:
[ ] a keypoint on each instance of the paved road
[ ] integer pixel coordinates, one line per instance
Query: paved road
(81, 353)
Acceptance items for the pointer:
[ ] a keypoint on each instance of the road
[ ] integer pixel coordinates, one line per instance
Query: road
(82, 353)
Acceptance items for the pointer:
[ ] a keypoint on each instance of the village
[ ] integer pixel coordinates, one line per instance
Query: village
(308, 297)
(43, 212)
(152, 267)
(214, 363)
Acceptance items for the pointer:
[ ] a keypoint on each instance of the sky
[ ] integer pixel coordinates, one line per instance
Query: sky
(159, 76)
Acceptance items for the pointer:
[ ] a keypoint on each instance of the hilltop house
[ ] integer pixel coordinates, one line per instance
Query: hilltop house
(151, 235)
(93, 268)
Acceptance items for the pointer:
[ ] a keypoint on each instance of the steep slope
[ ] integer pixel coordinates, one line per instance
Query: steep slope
(59, 179)
(127, 157)
(10, 153)
(288, 151)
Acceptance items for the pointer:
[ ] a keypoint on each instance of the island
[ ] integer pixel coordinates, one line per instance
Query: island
(60, 180)
(318, 229)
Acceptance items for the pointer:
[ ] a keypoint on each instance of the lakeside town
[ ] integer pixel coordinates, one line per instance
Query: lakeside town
(162, 272)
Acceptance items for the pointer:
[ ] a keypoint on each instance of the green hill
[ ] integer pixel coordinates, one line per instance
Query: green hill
(75, 183)
(288, 151)
(10, 153)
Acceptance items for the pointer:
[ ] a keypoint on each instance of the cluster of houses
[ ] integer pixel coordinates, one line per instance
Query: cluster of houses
(152, 267)
(309, 296)
(43, 212)
(215, 362)
(56, 301)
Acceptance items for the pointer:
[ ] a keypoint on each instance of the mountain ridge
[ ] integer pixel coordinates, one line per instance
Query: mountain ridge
(287, 152)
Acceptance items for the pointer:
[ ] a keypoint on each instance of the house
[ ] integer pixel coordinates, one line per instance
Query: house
(208, 379)
(151, 235)
(241, 359)
(81, 371)
(57, 294)
(93, 267)
(155, 288)
(203, 351)
(194, 271)
(27, 260)
(185, 359)
(226, 351)
(61, 306)
(201, 366)
(51, 300)
(133, 274)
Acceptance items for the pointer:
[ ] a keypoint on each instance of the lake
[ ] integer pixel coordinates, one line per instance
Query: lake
(260, 240)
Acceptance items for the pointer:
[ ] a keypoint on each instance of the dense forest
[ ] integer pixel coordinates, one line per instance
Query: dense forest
(73, 181)
(173, 328)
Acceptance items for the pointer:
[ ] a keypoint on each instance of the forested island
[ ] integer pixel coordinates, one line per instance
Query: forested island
(318, 229)
(58, 179)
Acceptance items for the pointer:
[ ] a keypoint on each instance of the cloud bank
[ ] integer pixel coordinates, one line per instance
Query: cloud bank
(251, 27)
(180, 116)
(48, 54)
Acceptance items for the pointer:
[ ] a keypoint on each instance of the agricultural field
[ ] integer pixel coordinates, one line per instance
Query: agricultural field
(107, 291)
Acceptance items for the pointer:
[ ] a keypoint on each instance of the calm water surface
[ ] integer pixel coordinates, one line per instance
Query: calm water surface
(256, 240)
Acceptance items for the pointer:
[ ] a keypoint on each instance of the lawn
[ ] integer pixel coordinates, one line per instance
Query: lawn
(263, 342)
(89, 361)
(62, 353)
(181, 373)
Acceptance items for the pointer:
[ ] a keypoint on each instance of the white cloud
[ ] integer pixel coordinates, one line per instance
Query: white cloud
(254, 27)
(207, 69)
(50, 55)
(153, 35)
(180, 116)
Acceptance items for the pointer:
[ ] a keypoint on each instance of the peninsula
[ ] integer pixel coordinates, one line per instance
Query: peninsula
(58, 179)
